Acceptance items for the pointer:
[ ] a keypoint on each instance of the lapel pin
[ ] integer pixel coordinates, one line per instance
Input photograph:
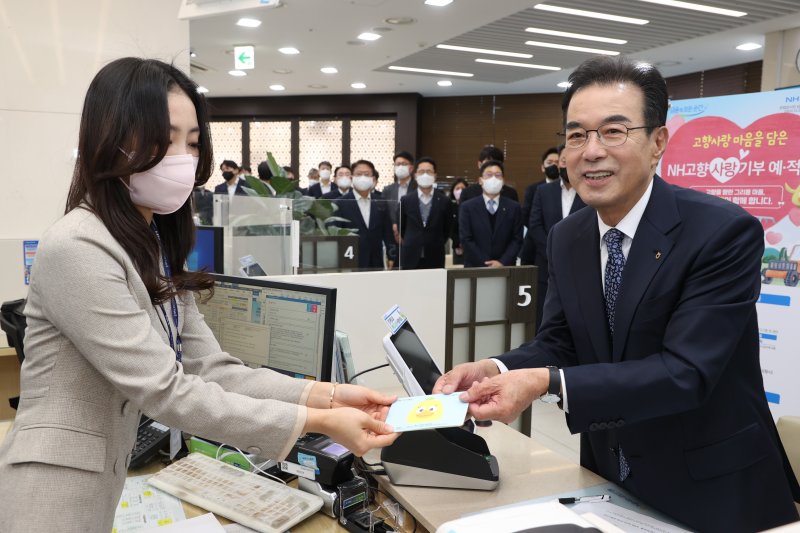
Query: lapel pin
(658, 254)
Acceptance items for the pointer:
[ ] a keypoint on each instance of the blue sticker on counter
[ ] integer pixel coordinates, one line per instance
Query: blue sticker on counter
(394, 319)
(308, 460)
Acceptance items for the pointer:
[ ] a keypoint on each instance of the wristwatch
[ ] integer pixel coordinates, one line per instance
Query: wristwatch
(553, 394)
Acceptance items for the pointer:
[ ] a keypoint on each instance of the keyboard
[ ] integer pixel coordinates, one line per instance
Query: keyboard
(244, 497)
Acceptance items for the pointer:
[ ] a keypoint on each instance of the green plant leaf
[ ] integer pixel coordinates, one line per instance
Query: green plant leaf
(257, 186)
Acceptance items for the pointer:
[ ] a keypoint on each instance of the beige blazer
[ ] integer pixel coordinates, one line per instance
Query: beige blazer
(97, 356)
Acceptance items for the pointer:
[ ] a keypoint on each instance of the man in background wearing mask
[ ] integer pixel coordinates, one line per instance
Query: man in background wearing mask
(489, 152)
(323, 186)
(527, 255)
(491, 224)
(404, 183)
(232, 185)
(425, 219)
(343, 181)
(370, 216)
(552, 203)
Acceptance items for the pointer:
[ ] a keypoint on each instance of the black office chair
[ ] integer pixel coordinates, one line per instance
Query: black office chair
(13, 323)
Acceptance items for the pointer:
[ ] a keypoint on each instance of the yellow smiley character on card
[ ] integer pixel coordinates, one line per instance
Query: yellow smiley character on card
(428, 410)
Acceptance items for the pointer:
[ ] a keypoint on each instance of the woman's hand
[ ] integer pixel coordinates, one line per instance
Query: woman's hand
(354, 429)
(371, 402)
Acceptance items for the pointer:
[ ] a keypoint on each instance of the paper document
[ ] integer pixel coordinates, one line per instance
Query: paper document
(426, 412)
(519, 518)
(626, 519)
(206, 523)
(142, 506)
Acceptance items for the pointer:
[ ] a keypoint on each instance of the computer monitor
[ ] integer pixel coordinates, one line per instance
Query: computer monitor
(283, 326)
(207, 253)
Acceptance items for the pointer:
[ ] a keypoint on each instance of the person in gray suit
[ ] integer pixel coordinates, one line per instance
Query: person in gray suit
(113, 329)
(404, 183)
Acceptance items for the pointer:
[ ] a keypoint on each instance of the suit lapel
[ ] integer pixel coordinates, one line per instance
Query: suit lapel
(650, 248)
(500, 214)
(584, 266)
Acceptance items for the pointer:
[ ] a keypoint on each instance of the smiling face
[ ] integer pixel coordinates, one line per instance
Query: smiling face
(426, 411)
(612, 179)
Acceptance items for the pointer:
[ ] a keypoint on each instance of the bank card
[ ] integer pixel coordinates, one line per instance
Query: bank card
(426, 412)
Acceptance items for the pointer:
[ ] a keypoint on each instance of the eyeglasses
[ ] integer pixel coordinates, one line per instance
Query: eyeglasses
(488, 175)
(608, 135)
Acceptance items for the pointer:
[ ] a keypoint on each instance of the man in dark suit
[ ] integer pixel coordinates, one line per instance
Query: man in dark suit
(554, 202)
(425, 218)
(323, 186)
(489, 153)
(342, 183)
(549, 173)
(232, 184)
(404, 183)
(650, 325)
(490, 225)
(370, 216)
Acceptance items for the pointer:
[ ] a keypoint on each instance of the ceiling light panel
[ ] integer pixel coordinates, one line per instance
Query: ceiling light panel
(358, 85)
(590, 14)
(237, 73)
(515, 64)
(444, 83)
(569, 35)
(289, 50)
(483, 51)
(697, 7)
(248, 23)
(572, 48)
(438, 3)
(748, 46)
(431, 71)
(329, 70)
(277, 87)
(369, 36)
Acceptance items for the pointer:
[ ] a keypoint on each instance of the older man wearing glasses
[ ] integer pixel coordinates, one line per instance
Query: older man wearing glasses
(649, 339)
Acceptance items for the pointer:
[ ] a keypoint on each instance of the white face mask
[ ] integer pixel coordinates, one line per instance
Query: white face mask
(402, 171)
(457, 193)
(363, 183)
(492, 186)
(426, 180)
(165, 187)
(325, 175)
(344, 182)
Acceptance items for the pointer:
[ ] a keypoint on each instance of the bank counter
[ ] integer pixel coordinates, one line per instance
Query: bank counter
(527, 470)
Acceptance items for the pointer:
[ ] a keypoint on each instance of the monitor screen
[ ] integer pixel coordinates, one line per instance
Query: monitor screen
(416, 357)
(283, 326)
(207, 252)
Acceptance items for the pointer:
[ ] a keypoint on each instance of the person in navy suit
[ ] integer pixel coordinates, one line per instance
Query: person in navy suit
(342, 183)
(553, 202)
(650, 327)
(425, 218)
(232, 184)
(323, 186)
(490, 225)
(527, 255)
(370, 216)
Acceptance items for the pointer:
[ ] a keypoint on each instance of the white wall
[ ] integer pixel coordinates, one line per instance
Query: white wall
(363, 297)
(780, 53)
(49, 52)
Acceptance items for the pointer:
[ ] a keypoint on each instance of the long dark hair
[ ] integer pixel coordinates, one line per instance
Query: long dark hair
(126, 109)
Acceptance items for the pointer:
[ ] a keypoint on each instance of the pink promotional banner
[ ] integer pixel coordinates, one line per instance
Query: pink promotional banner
(746, 149)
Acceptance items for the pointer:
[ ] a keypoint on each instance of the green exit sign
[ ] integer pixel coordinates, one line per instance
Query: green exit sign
(244, 57)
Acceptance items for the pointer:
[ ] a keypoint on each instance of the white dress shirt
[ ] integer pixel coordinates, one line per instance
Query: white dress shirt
(425, 198)
(363, 206)
(628, 226)
(325, 188)
(496, 199)
(567, 198)
(232, 189)
(402, 190)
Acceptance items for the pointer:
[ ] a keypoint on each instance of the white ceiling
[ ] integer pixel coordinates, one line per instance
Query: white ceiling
(680, 41)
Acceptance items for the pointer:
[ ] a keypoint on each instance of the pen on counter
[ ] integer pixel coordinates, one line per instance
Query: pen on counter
(585, 499)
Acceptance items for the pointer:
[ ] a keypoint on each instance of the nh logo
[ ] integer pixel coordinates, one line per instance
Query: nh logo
(791, 99)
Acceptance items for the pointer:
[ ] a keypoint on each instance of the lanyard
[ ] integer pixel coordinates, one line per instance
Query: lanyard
(174, 343)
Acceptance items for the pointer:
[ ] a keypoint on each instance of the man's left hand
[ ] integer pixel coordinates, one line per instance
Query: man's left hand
(505, 396)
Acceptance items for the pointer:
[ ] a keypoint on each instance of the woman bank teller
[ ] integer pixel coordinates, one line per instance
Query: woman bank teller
(113, 330)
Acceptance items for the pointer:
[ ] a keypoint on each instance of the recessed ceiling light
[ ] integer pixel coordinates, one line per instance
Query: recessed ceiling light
(444, 83)
(429, 71)
(369, 36)
(698, 7)
(564, 84)
(317, 86)
(277, 87)
(438, 3)
(573, 48)
(576, 36)
(289, 50)
(748, 46)
(237, 73)
(358, 85)
(399, 20)
(201, 89)
(329, 70)
(590, 14)
(483, 51)
(248, 23)
(281, 71)
(514, 64)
